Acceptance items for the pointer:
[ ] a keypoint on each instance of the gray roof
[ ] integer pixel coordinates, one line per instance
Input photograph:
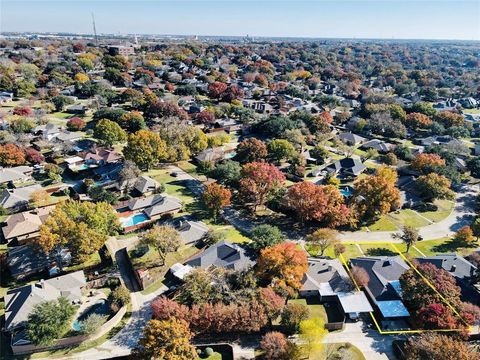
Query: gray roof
(14, 173)
(223, 255)
(163, 205)
(10, 198)
(351, 138)
(327, 276)
(349, 166)
(378, 145)
(211, 154)
(453, 263)
(150, 201)
(19, 302)
(146, 184)
(191, 231)
(382, 271)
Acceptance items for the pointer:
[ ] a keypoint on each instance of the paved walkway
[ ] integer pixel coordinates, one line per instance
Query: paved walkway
(462, 214)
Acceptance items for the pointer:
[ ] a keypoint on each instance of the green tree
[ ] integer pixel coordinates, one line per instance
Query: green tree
(109, 133)
(164, 238)
(92, 323)
(265, 236)
(145, 148)
(49, 321)
(280, 150)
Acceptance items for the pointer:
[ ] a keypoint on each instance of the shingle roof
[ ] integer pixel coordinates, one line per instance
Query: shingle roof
(325, 271)
(25, 222)
(14, 173)
(453, 263)
(191, 231)
(145, 184)
(10, 198)
(223, 255)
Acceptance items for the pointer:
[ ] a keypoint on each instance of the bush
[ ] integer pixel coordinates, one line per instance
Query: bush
(92, 323)
(119, 297)
(208, 351)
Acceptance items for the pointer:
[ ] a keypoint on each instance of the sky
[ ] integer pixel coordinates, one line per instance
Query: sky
(398, 19)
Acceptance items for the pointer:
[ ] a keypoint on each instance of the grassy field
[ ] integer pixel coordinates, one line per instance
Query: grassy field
(444, 208)
(445, 245)
(383, 224)
(407, 217)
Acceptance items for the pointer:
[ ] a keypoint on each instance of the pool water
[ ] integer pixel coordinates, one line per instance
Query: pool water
(230, 155)
(133, 220)
(346, 191)
(101, 308)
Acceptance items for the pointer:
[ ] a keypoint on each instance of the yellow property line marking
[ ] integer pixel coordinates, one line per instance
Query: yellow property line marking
(419, 331)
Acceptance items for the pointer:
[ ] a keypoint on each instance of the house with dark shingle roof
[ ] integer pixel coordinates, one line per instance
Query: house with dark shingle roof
(223, 255)
(461, 269)
(351, 139)
(190, 231)
(379, 145)
(145, 185)
(346, 167)
(383, 287)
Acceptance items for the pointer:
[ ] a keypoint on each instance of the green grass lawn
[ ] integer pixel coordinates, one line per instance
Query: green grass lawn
(383, 224)
(445, 245)
(214, 356)
(351, 251)
(173, 186)
(316, 310)
(92, 261)
(407, 217)
(343, 351)
(444, 209)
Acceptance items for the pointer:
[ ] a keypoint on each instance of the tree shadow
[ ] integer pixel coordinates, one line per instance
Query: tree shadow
(453, 246)
(380, 252)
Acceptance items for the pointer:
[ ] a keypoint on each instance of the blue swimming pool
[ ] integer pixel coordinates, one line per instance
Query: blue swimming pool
(230, 155)
(346, 191)
(133, 220)
(101, 308)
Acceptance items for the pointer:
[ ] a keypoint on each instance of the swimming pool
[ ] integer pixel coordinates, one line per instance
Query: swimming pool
(230, 155)
(346, 191)
(101, 308)
(133, 220)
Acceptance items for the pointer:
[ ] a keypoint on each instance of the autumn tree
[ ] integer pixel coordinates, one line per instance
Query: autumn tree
(145, 148)
(205, 117)
(164, 308)
(251, 150)
(323, 239)
(34, 156)
(274, 346)
(167, 340)
(82, 227)
(418, 121)
(281, 150)
(435, 346)
(427, 163)
(216, 89)
(259, 181)
(109, 133)
(216, 197)
(409, 236)
(449, 118)
(265, 235)
(434, 186)
(76, 124)
(376, 195)
(11, 155)
(164, 238)
(312, 332)
(39, 197)
(272, 303)
(360, 276)
(324, 204)
(284, 265)
(131, 121)
(435, 316)
(292, 315)
(464, 235)
(321, 122)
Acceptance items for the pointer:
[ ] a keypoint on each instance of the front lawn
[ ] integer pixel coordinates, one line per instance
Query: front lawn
(383, 224)
(445, 245)
(407, 217)
(444, 209)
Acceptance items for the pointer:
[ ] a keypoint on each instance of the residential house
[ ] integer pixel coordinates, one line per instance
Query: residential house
(17, 199)
(19, 302)
(351, 139)
(152, 208)
(328, 281)
(145, 185)
(379, 145)
(101, 157)
(190, 231)
(461, 269)
(15, 175)
(441, 140)
(211, 155)
(79, 109)
(48, 131)
(26, 260)
(223, 255)
(346, 167)
(23, 227)
(383, 288)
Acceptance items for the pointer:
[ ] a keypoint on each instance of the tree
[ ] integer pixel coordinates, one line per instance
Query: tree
(11, 155)
(205, 117)
(76, 124)
(21, 125)
(82, 227)
(418, 120)
(164, 238)
(265, 235)
(92, 323)
(321, 122)
(476, 227)
(109, 132)
(216, 197)
(435, 316)
(464, 235)
(61, 101)
(49, 321)
(132, 121)
(434, 346)
(167, 340)
(417, 293)
(251, 150)
(281, 150)
(312, 332)
(323, 239)
(53, 172)
(449, 118)
(427, 163)
(339, 249)
(39, 197)
(324, 204)
(360, 276)
(259, 180)
(119, 297)
(409, 236)
(272, 303)
(274, 346)
(292, 315)
(376, 195)
(164, 309)
(284, 265)
(145, 148)
(434, 186)
(226, 173)
(216, 89)
(33, 156)
(128, 174)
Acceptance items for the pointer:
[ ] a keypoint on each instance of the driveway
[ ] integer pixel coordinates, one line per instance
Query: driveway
(462, 214)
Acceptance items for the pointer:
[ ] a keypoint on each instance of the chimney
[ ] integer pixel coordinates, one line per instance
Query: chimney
(41, 284)
(454, 267)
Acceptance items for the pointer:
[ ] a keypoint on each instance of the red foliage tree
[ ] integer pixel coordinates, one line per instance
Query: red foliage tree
(163, 309)
(274, 346)
(216, 89)
(233, 93)
(205, 117)
(435, 316)
(251, 150)
(418, 120)
(76, 124)
(23, 111)
(272, 302)
(34, 156)
(259, 180)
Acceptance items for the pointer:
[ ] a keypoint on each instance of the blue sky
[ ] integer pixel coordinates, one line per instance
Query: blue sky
(415, 19)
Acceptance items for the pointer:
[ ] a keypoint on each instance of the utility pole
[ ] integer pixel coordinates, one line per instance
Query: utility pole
(94, 30)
